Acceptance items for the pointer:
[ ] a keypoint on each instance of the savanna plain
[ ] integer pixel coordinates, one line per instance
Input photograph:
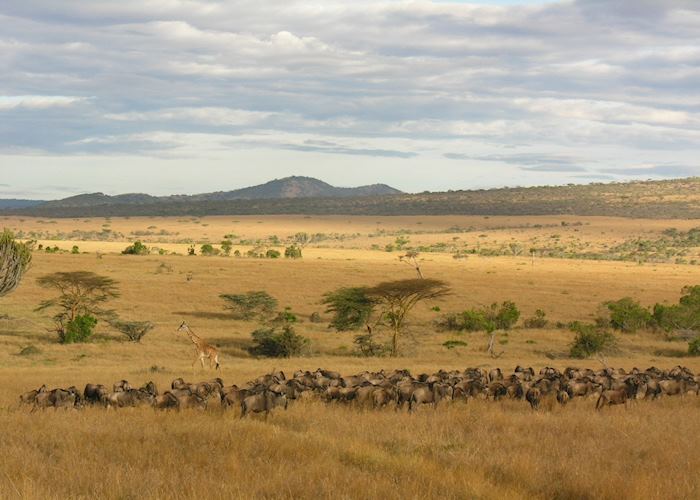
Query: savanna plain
(566, 266)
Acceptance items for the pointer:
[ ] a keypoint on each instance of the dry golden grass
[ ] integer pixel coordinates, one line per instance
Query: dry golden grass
(480, 450)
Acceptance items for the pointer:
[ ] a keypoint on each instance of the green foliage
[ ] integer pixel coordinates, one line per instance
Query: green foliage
(272, 254)
(451, 344)
(75, 250)
(539, 320)
(208, 250)
(494, 317)
(226, 247)
(136, 248)
(191, 251)
(277, 342)
(628, 315)
(293, 252)
(251, 305)
(78, 330)
(366, 346)
(682, 316)
(694, 347)
(80, 293)
(589, 340)
(351, 308)
(15, 258)
(134, 330)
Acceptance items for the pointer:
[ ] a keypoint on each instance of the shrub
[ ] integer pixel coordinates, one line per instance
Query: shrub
(589, 340)
(682, 316)
(365, 345)
(136, 248)
(208, 250)
(79, 329)
(272, 254)
(75, 250)
(506, 315)
(250, 305)
(293, 252)
(134, 330)
(539, 320)
(315, 317)
(277, 343)
(226, 247)
(451, 344)
(628, 315)
(694, 347)
(476, 320)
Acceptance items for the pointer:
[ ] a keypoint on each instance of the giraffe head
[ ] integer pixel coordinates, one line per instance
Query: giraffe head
(183, 327)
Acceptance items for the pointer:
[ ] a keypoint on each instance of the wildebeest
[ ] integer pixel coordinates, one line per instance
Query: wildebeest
(264, 401)
(29, 397)
(95, 393)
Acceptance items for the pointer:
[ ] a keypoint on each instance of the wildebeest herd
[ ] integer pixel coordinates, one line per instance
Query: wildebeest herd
(397, 388)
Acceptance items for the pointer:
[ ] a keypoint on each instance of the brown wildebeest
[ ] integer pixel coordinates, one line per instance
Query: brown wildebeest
(187, 401)
(166, 401)
(95, 393)
(121, 386)
(265, 402)
(29, 397)
(612, 397)
(533, 396)
(430, 394)
(130, 398)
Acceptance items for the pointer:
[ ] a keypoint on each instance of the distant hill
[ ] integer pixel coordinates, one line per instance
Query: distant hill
(13, 203)
(289, 187)
(672, 199)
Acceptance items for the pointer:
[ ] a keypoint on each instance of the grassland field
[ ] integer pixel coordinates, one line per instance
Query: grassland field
(475, 450)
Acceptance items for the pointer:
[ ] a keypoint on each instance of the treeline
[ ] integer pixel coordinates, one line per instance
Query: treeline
(649, 199)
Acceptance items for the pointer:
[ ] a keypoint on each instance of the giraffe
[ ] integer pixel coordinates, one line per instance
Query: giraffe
(202, 349)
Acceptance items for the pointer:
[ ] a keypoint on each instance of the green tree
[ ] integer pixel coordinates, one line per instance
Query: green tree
(80, 293)
(396, 299)
(15, 258)
(134, 330)
(293, 252)
(226, 247)
(351, 308)
(627, 315)
(208, 250)
(250, 305)
(589, 340)
(136, 248)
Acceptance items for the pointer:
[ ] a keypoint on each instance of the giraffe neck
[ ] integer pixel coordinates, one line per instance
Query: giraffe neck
(197, 341)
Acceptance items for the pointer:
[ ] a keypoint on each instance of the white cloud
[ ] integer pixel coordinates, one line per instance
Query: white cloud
(36, 101)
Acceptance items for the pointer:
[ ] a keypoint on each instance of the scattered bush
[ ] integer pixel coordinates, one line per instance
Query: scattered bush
(78, 330)
(272, 254)
(315, 317)
(277, 343)
(366, 346)
(226, 247)
(136, 248)
(250, 305)
(75, 250)
(208, 250)
(293, 252)
(488, 319)
(694, 347)
(134, 330)
(627, 315)
(589, 340)
(451, 344)
(539, 320)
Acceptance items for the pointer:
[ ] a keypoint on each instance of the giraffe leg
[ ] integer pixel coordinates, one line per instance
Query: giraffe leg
(201, 360)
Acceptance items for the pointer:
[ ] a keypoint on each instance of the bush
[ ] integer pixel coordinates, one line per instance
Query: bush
(315, 317)
(208, 250)
(78, 330)
(136, 248)
(451, 344)
(488, 319)
(272, 254)
(628, 315)
(351, 308)
(75, 250)
(250, 305)
(134, 330)
(274, 343)
(365, 345)
(226, 247)
(589, 340)
(292, 252)
(539, 320)
(694, 347)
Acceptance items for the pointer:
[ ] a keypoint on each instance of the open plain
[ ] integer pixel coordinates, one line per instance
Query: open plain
(479, 449)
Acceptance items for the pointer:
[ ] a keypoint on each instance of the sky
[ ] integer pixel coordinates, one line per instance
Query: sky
(190, 96)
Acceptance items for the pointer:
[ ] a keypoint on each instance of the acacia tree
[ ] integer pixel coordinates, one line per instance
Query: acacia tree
(351, 308)
(15, 258)
(396, 299)
(81, 295)
(411, 258)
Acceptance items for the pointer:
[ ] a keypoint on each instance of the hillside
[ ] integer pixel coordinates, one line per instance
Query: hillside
(15, 203)
(678, 198)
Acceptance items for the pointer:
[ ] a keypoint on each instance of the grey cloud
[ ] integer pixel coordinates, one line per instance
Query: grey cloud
(657, 171)
(531, 162)
(588, 78)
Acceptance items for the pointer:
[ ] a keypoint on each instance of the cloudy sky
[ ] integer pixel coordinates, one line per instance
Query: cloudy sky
(185, 96)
